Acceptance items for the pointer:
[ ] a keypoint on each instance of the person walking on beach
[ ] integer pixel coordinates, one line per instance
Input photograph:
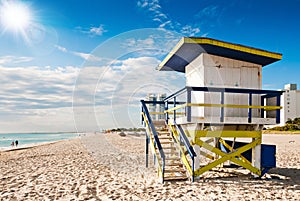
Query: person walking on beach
(13, 143)
(16, 143)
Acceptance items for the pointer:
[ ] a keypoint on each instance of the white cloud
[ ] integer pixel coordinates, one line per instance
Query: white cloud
(191, 31)
(93, 30)
(212, 15)
(60, 48)
(98, 30)
(110, 94)
(38, 120)
(32, 87)
(142, 4)
(210, 11)
(121, 87)
(14, 60)
(164, 21)
(158, 43)
(41, 98)
(163, 25)
(155, 10)
(85, 56)
(37, 98)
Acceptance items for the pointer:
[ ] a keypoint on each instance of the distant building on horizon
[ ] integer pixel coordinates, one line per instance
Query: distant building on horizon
(157, 110)
(290, 102)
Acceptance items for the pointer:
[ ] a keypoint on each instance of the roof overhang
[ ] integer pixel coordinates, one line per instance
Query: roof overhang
(189, 48)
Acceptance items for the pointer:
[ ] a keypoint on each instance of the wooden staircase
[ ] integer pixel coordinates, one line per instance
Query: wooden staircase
(174, 169)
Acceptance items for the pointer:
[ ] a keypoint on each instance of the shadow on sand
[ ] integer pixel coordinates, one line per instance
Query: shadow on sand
(277, 178)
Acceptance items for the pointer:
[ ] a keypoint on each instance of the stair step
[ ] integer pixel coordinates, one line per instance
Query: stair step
(175, 178)
(171, 153)
(164, 138)
(172, 159)
(168, 149)
(175, 170)
(174, 165)
(173, 148)
(166, 142)
(164, 133)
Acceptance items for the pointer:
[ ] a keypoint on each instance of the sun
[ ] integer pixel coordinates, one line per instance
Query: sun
(15, 16)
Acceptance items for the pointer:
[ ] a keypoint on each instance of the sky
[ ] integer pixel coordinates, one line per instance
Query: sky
(84, 65)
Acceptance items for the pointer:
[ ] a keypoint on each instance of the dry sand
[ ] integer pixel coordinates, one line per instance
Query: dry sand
(110, 167)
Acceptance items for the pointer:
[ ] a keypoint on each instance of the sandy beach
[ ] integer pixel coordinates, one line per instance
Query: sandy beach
(111, 167)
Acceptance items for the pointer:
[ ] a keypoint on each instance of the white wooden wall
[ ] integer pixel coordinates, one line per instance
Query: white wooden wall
(215, 71)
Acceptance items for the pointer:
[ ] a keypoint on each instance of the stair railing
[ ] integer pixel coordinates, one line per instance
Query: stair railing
(146, 118)
(183, 139)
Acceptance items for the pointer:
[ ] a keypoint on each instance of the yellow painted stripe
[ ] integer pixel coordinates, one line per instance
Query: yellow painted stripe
(241, 134)
(175, 108)
(207, 155)
(236, 47)
(156, 113)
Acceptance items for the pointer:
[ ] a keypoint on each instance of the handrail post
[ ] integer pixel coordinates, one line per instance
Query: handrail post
(262, 103)
(167, 113)
(250, 109)
(278, 110)
(142, 116)
(193, 169)
(174, 113)
(147, 149)
(163, 170)
(222, 108)
(188, 101)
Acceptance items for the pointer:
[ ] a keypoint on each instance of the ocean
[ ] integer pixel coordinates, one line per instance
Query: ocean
(29, 139)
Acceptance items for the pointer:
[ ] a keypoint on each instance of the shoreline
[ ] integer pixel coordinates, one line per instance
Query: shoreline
(32, 145)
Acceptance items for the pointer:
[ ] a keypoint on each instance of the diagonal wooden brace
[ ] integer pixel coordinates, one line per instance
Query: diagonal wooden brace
(227, 156)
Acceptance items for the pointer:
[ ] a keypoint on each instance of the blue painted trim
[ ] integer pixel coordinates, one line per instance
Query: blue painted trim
(262, 103)
(189, 108)
(147, 150)
(236, 90)
(222, 108)
(174, 112)
(278, 110)
(250, 109)
(167, 114)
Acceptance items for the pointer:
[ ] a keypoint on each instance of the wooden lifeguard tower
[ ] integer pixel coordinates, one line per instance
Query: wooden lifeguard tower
(217, 118)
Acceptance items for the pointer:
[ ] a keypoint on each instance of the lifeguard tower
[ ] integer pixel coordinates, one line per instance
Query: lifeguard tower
(217, 118)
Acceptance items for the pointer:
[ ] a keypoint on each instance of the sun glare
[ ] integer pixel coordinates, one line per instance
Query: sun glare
(15, 16)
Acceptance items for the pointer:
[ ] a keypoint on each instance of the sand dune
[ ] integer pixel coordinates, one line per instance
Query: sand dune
(110, 167)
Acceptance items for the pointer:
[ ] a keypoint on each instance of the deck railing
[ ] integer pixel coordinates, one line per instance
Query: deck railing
(187, 105)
